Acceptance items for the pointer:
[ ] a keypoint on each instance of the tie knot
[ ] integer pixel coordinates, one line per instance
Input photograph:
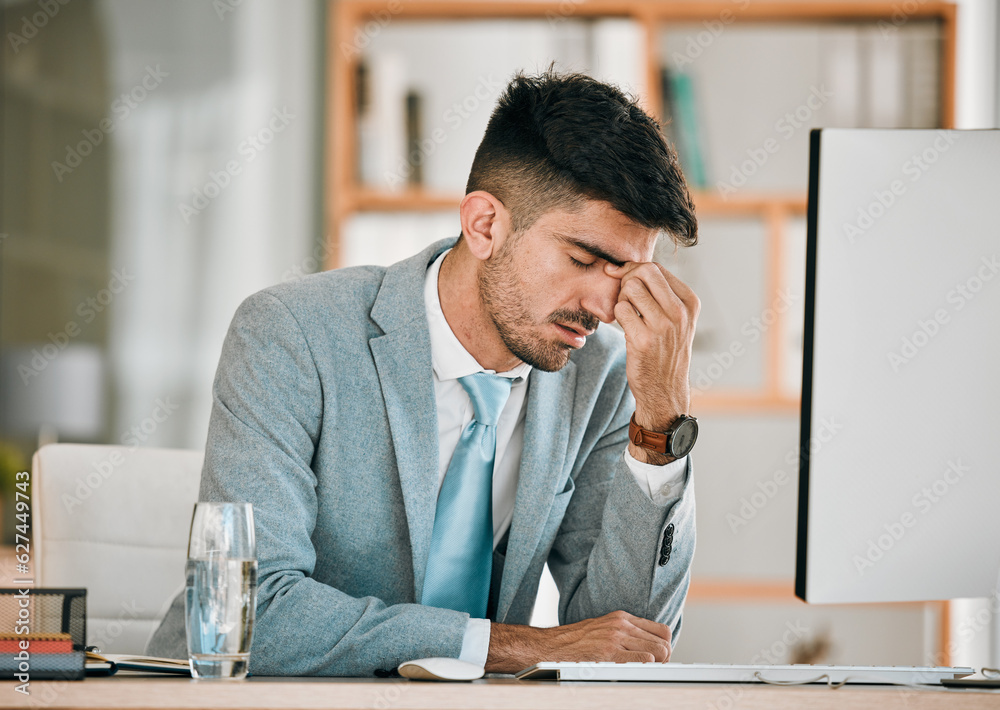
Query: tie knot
(488, 393)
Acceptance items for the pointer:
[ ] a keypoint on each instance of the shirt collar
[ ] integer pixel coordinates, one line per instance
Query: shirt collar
(449, 357)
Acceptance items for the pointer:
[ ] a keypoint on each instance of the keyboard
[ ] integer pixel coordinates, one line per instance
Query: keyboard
(724, 673)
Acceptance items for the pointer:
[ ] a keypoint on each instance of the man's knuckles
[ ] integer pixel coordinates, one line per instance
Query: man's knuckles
(625, 311)
(620, 616)
(674, 309)
(650, 270)
(633, 288)
(677, 315)
(695, 304)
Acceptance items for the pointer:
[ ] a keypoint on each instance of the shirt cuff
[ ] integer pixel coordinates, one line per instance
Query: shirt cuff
(476, 642)
(663, 484)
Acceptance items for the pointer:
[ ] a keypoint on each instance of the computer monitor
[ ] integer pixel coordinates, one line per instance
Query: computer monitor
(899, 488)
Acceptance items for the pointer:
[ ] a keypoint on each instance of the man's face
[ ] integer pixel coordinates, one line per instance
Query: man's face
(546, 289)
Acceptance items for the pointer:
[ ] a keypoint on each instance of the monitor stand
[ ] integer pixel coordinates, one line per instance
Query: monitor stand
(993, 655)
(994, 609)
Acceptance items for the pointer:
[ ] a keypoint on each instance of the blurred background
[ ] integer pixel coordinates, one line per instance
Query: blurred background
(164, 160)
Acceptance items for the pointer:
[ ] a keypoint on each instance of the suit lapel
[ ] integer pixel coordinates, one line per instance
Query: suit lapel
(402, 358)
(541, 477)
(408, 391)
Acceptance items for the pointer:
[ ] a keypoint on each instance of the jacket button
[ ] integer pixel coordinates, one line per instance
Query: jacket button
(664, 559)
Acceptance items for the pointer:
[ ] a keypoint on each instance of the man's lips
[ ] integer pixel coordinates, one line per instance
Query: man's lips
(574, 336)
(579, 330)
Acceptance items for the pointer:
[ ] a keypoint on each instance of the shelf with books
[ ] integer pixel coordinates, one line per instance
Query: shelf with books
(410, 200)
(359, 28)
(707, 203)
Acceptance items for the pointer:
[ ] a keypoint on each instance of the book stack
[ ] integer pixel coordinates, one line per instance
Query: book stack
(40, 656)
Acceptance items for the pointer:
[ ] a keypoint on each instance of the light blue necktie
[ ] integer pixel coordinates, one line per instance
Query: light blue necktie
(461, 556)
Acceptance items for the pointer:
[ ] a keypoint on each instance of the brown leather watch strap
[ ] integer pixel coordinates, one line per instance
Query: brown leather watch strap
(651, 440)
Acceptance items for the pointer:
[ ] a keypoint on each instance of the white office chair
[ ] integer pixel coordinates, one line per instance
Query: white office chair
(114, 520)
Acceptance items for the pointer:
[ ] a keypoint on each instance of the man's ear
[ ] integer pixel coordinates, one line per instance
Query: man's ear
(485, 223)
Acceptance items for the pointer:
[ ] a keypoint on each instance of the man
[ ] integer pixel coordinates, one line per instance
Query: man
(396, 517)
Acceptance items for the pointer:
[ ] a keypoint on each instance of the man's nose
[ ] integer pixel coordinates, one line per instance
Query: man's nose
(602, 297)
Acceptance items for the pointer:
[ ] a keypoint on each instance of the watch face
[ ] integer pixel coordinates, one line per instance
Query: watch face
(683, 438)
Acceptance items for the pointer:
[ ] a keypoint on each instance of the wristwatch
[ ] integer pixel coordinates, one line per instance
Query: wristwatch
(677, 441)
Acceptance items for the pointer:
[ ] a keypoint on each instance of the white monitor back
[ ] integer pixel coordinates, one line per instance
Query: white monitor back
(900, 473)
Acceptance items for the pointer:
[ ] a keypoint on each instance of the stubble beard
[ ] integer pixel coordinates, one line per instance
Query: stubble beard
(506, 302)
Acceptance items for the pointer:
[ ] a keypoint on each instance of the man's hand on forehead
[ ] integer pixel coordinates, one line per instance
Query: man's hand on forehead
(658, 313)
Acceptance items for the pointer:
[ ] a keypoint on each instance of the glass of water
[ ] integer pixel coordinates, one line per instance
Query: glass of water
(221, 595)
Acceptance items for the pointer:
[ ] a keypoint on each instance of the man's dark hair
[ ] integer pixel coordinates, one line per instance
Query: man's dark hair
(556, 139)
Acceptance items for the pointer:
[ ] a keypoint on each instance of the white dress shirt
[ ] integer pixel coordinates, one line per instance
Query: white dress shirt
(450, 361)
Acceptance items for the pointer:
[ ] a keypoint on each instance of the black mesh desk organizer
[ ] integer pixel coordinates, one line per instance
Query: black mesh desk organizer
(53, 622)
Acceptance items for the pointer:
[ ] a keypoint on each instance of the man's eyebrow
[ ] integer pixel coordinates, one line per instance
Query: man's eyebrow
(590, 249)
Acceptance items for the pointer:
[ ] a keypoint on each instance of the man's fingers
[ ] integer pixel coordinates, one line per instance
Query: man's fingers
(684, 292)
(632, 657)
(637, 293)
(628, 318)
(658, 649)
(620, 272)
(655, 280)
(618, 636)
(656, 629)
(647, 636)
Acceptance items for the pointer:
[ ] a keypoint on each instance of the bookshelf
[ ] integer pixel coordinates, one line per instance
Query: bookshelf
(752, 238)
(358, 25)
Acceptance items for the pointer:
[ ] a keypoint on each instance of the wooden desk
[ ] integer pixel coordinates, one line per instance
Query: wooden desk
(147, 692)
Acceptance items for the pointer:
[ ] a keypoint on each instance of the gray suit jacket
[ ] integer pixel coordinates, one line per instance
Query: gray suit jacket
(324, 418)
